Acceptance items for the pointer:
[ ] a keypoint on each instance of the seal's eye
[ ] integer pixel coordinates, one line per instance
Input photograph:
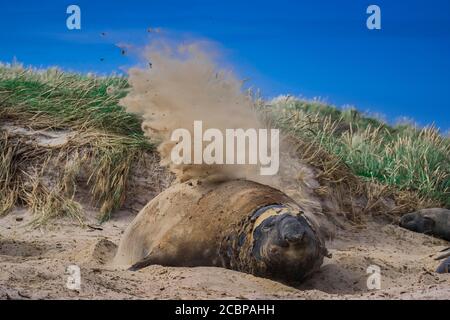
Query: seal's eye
(274, 250)
(267, 225)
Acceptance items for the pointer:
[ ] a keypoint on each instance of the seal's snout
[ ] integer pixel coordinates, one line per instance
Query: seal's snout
(294, 237)
(292, 230)
(408, 220)
(412, 221)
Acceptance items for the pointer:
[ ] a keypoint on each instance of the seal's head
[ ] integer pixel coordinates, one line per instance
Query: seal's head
(285, 242)
(417, 222)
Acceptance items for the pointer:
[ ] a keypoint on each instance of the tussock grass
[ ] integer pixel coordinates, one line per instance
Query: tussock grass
(8, 190)
(362, 160)
(413, 163)
(46, 178)
(56, 99)
(105, 143)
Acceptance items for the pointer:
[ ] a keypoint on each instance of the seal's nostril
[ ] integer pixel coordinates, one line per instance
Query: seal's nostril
(294, 237)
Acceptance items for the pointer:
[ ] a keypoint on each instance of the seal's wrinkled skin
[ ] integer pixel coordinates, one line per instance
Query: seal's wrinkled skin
(240, 225)
(279, 241)
(434, 222)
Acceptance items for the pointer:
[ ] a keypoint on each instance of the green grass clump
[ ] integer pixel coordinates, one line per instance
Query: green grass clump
(108, 141)
(402, 156)
(69, 100)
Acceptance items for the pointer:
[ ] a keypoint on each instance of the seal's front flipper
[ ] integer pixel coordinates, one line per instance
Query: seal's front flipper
(443, 255)
(444, 267)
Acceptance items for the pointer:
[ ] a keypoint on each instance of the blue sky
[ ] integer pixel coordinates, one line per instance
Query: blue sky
(318, 48)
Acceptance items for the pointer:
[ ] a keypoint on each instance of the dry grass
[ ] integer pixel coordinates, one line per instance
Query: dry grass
(46, 178)
(364, 164)
(365, 158)
(103, 145)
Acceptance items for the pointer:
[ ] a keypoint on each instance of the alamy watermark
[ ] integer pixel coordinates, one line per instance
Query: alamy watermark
(374, 279)
(374, 20)
(73, 22)
(236, 146)
(74, 278)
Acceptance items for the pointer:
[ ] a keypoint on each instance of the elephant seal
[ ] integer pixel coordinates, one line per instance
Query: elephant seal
(434, 222)
(238, 224)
